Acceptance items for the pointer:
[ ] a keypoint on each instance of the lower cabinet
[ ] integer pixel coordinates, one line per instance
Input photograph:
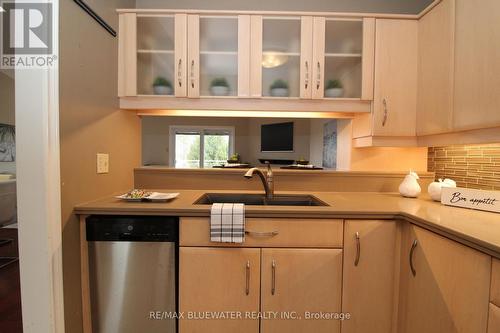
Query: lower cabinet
(218, 280)
(370, 284)
(306, 283)
(494, 321)
(446, 286)
(291, 287)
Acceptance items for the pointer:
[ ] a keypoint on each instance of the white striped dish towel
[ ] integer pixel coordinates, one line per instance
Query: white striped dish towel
(227, 223)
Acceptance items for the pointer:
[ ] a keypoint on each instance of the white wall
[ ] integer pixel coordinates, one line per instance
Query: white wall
(367, 6)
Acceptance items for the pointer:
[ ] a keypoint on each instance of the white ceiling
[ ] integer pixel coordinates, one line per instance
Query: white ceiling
(358, 6)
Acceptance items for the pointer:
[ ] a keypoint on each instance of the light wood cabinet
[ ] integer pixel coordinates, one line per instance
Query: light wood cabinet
(395, 99)
(449, 290)
(371, 276)
(495, 282)
(477, 64)
(296, 281)
(278, 59)
(436, 31)
(392, 121)
(213, 279)
(494, 319)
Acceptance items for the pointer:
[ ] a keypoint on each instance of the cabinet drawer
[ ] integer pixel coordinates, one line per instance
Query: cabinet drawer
(495, 283)
(318, 233)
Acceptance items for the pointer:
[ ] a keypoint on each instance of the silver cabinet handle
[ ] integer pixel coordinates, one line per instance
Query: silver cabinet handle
(273, 277)
(318, 78)
(179, 73)
(307, 75)
(358, 249)
(413, 246)
(192, 73)
(247, 284)
(262, 234)
(386, 112)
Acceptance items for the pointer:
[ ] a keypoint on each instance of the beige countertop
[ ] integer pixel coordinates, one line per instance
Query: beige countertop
(477, 229)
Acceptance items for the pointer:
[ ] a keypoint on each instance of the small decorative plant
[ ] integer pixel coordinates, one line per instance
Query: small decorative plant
(235, 158)
(162, 82)
(219, 86)
(334, 89)
(334, 84)
(279, 88)
(162, 86)
(219, 82)
(279, 84)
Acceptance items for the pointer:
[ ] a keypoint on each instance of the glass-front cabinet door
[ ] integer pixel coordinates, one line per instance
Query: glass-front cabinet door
(217, 60)
(343, 58)
(152, 55)
(155, 55)
(281, 56)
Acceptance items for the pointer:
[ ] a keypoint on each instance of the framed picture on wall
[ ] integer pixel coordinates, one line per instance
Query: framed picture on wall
(7, 143)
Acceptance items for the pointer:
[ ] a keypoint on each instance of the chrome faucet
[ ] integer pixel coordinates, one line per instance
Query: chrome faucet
(267, 179)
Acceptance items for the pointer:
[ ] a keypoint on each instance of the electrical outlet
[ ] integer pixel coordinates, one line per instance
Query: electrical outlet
(102, 163)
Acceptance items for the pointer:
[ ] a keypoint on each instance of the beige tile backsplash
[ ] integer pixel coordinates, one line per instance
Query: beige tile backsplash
(472, 166)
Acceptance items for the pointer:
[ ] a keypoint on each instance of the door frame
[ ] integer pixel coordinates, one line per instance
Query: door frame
(38, 193)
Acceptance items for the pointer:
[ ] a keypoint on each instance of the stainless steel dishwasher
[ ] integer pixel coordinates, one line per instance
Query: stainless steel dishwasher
(133, 273)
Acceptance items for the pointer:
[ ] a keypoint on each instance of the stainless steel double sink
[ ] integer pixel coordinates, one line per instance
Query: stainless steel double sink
(260, 199)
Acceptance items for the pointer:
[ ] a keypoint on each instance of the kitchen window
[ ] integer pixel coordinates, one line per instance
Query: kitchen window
(200, 147)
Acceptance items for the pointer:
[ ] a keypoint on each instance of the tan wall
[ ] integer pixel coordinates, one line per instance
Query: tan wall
(155, 135)
(389, 159)
(300, 139)
(90, 122)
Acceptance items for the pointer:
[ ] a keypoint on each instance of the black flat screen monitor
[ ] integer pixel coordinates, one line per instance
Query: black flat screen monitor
(276, 137)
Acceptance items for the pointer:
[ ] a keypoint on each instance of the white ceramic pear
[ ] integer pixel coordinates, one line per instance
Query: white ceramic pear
(435, 188)
(410, 188)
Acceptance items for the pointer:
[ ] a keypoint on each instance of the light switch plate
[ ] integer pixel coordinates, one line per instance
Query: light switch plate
(102, 163)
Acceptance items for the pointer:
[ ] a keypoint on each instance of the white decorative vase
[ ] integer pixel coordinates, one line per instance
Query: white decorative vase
(162, 90)
(410, 188)
(334, 92)
(279, 92)
(219, 90)
(435, 188)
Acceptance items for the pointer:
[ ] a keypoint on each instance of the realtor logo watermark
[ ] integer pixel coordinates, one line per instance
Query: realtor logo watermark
(26, 38)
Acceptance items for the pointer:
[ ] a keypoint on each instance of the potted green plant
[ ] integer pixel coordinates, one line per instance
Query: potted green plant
(279, 88)
(302, 161)
(162, 86)
(334, 89)
(235, 158)
(219, 87)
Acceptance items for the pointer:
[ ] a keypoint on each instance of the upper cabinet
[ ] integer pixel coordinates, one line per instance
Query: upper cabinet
(235, 58)
(393, 118)
(435, 69)
(477, 64)
(459, 73)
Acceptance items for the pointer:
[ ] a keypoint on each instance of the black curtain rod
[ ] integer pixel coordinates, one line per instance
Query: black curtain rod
(96, 17)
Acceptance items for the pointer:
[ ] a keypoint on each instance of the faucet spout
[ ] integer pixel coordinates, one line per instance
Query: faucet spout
(267, 179)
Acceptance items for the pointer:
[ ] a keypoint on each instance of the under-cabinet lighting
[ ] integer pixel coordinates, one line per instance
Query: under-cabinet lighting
(245, 114)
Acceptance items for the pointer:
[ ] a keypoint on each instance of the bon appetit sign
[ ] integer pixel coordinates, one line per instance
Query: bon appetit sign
(470, 198)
